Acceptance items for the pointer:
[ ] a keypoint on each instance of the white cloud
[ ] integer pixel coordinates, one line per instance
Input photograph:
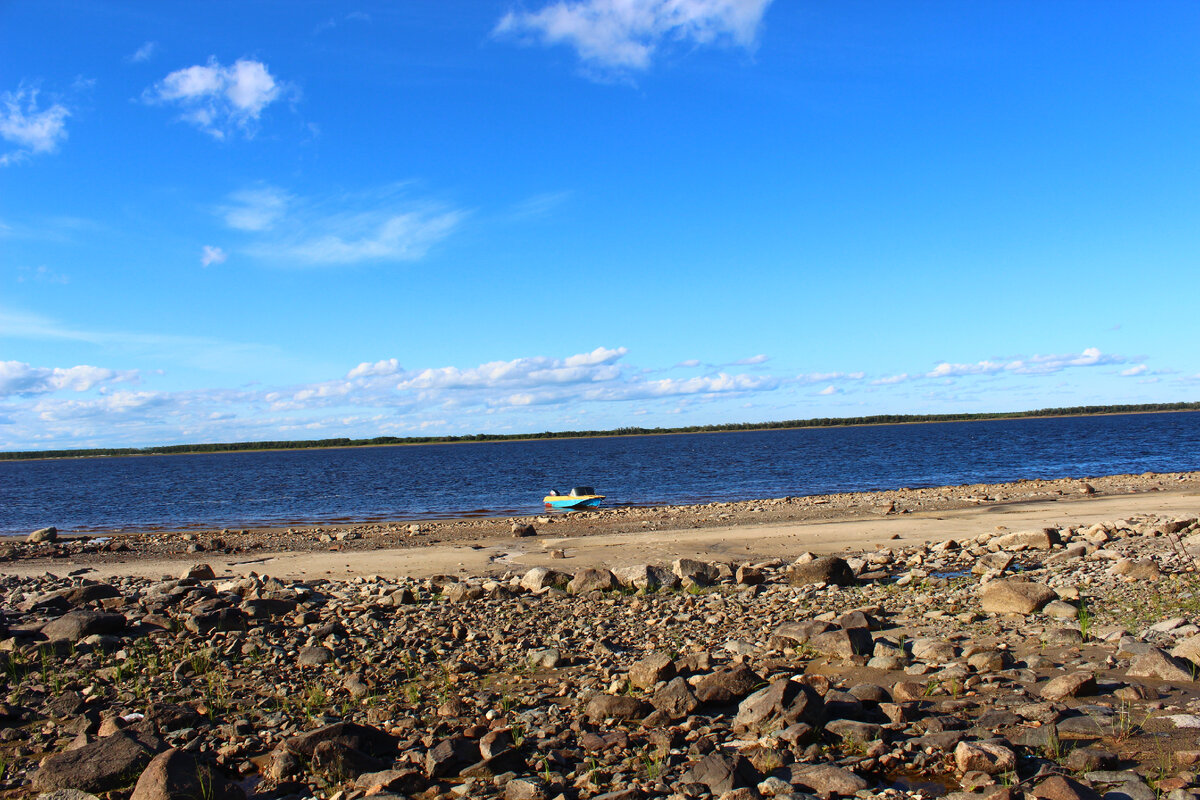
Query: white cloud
(31, 129)
(19, 378)
(758, 359)
(1033, 365)
(212, 255)
(399, 237)
(143, 53)
(623, 35)
(382, 225)
(1140, 369)
(219, 100)
(888, 380)
(822, 377)
(255, 209)
(828, 390)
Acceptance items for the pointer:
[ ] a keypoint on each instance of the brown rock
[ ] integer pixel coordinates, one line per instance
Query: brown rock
(826, 779)
(844, 643)
(1065, 686)
(649, 671)
(1015, 597)
(1156, 664)
(174, 774)
(829, 569)
(1060, 787)
(984, 757)
(591, 580)
(103, 765)
(608, 706)
(727, 684)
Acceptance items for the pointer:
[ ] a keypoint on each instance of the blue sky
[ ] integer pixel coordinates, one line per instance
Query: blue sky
(259, 220)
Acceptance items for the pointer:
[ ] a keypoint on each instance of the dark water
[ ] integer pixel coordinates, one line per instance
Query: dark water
(244, 489)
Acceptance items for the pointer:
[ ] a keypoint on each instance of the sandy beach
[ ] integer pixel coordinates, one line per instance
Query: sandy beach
(752, 530)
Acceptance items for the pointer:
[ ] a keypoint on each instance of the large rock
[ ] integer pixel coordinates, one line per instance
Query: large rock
(449, 756)
(1015, 597)
(609, 706)
(90, 593)
(76, 625)
(371, 741)
(675, 700)
(650, 670)
(986, 757)
(826, 779)
(1065, 686)
(699, 572)
(591, 580)
(796, 632)
(198, 572)
(43, 535)
(1189, 649)
(1154, 663)
(1060, 787)
(843, 644)
(1145, 569)
(829, 569)
(992, 562)
(540, 578)
(721, 773)
(727, 684)
(782, 704)
(100, 766)
(174, 774)
(647, 577)
(1042, 539)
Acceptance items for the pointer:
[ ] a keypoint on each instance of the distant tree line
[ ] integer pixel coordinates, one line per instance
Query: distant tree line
(820, 422)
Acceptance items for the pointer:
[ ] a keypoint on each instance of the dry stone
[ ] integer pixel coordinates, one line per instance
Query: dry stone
(829, 569)
(1042, 539)
(1015, 597)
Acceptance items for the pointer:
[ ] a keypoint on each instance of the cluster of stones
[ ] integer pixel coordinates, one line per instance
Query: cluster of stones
(1009, 663)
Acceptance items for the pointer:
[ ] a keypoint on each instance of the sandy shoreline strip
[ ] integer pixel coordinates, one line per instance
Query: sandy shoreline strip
(741, 542)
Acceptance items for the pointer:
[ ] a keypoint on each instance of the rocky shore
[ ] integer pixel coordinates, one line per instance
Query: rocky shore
(1056, 662)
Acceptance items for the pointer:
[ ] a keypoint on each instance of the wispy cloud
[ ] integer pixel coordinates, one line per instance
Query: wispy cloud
(382, 225)
(40, 274)
(212, 255)
(255, 209)
(620, 36)
(1032, 365)
(538, 206)
(143, 53)
(32, 129)
(201, 352)
(219, 100)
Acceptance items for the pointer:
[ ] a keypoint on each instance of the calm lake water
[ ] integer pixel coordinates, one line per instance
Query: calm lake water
(359, 484)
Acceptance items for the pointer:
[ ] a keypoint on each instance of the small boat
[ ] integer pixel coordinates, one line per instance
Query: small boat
(579, 497)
